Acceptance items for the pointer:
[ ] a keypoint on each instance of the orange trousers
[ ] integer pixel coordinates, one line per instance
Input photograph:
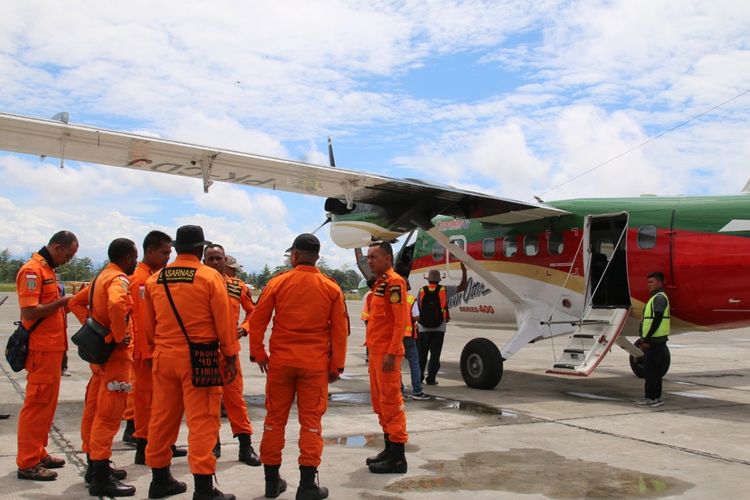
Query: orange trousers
(142, 399)
(103, 408)
(174, 394)
(311, 389)
(234, 403)
(387, 402)
(39, 405)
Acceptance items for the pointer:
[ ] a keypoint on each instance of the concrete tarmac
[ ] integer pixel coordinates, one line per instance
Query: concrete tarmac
(534, 436)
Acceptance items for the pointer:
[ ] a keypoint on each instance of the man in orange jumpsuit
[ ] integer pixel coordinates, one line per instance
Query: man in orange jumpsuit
(233, 399)
(41, 305)
(200, 301)
(107, 301)
(307, 352)
(389, 316)
(157, 247)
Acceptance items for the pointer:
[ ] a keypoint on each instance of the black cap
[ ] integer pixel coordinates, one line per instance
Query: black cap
(306, 242)
(189, 237)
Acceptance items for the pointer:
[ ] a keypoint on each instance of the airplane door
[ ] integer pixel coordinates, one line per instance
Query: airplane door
(451, 273)
(605, 240)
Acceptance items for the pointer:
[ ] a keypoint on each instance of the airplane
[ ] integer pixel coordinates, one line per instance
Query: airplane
(574, 268)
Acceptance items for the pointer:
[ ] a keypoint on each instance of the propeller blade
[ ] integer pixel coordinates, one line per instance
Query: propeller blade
(328, 219)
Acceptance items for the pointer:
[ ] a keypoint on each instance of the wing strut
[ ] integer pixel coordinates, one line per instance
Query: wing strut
(475, 266)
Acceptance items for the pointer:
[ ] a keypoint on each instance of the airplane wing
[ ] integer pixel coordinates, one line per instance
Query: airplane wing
(87, 144)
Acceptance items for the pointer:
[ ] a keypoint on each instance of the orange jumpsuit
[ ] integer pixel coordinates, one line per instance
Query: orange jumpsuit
(308, 341)
(234, 401)
(103, 408)
(36, 284)
(141, 353)
(200, 296)
(389, 317)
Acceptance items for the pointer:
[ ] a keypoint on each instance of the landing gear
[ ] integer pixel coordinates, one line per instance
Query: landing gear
(636, 364)
(481, 364)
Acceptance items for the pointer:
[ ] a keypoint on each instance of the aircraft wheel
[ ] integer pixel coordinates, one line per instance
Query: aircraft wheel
(481, 364)
(636, 364)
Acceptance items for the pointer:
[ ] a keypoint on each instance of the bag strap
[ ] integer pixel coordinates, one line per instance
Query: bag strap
(174, 308)
(39, 321)
(91, 294)
(36, 323)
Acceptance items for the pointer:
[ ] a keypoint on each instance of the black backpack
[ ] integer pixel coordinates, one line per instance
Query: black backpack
(430, 312)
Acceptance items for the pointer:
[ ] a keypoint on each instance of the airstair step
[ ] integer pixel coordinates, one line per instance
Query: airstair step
(565, 366)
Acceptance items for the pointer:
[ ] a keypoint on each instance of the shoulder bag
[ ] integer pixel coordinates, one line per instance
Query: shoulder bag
(204, 357)
(91, 338)
(18, 345)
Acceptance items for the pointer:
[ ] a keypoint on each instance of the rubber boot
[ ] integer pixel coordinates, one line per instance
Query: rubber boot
(119, 474)
(140, 451)
(380, 456)
(275, 486)
(394, 462)
(127, 434)
(217, 448)
(178, 452)
(247, 454)
(164, 485)
(308, 488)
(204, 489)
(104, 484)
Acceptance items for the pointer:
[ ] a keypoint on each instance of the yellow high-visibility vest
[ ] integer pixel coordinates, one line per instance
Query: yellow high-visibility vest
(648, 318)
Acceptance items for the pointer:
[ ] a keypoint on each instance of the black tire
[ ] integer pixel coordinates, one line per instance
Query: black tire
(481, 364)
(636, 364)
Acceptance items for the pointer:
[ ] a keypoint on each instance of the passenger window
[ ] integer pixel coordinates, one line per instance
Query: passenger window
(530, 245)
(555, 244)
(438, 252)
(646, 237)
(488, 248)
(510, 246)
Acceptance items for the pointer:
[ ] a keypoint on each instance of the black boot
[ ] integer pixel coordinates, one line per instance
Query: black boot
(275, 486)
(127, 434)
(394, 462)
(204, 489)
(308, 488)
(140, 451)
(217, 448)
(247, 453)
(104, 484)
(164, 485)
(119, 474)
(380, 456)
(179, 452)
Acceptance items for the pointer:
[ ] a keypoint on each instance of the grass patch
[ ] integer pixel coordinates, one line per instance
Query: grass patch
(7, 287)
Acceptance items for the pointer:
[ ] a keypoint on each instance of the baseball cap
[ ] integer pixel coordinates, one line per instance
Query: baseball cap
(306, 242)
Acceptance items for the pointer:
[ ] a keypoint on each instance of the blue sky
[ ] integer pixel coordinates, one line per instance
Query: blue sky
(507, 97)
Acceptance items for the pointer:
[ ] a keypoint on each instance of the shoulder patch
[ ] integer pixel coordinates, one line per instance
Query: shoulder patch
(177, 275)
(394, 294)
